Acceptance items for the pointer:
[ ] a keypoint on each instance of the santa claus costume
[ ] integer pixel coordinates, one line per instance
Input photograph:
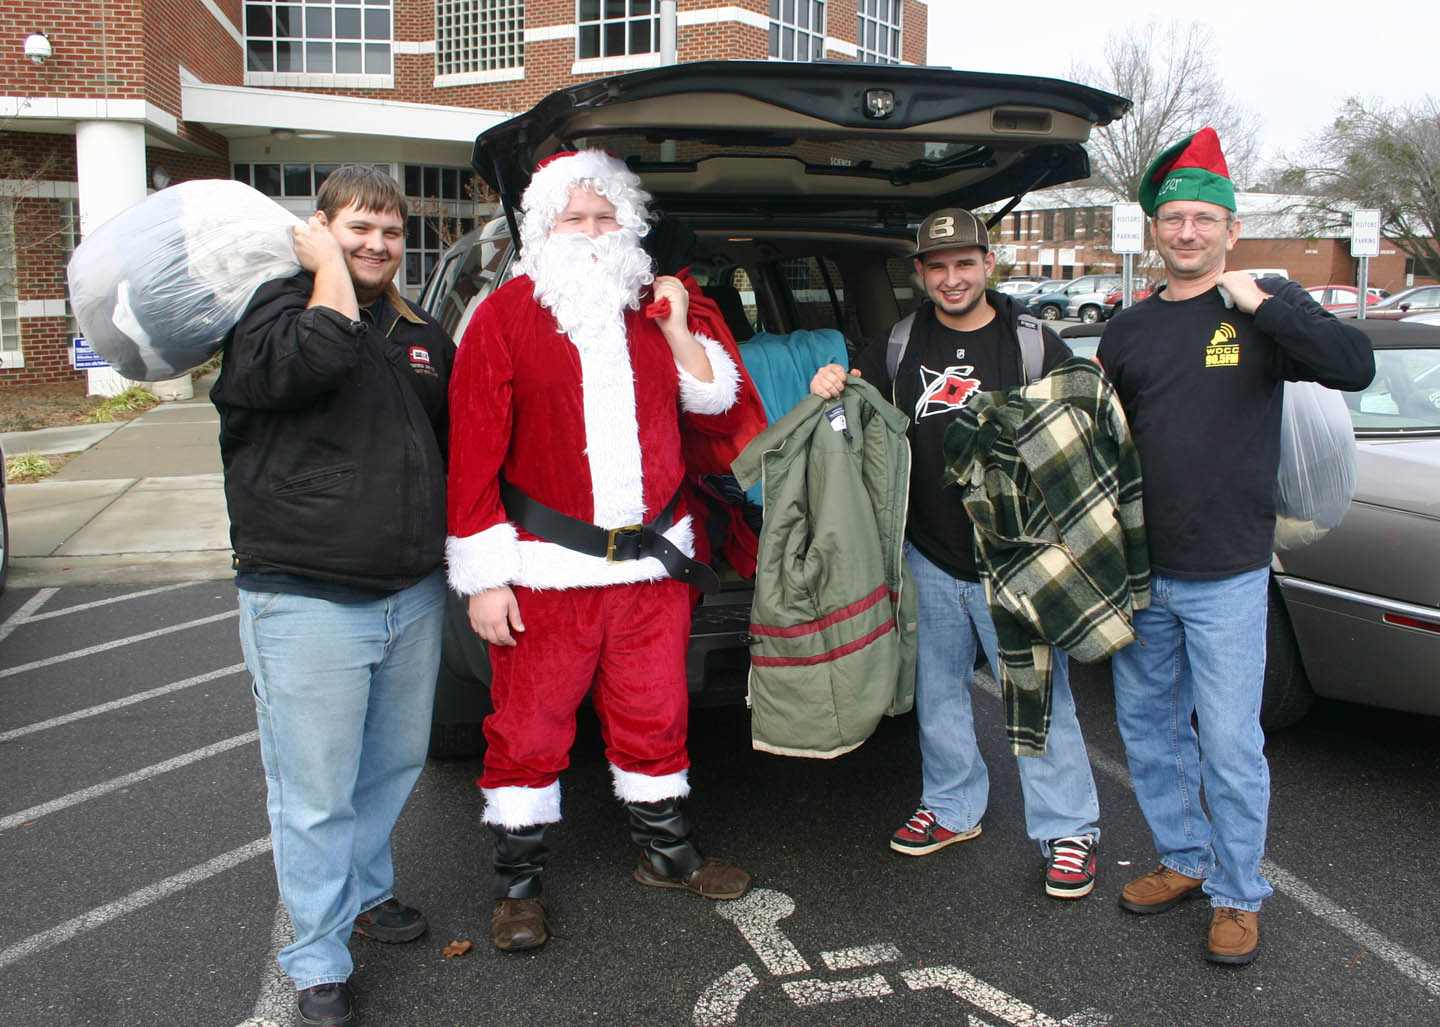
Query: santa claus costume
(566, 407)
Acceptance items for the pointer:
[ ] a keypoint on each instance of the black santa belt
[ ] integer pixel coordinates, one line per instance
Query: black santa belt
(615, 545)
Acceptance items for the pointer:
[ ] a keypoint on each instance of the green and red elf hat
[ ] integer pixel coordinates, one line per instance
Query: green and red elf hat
(1192, 169)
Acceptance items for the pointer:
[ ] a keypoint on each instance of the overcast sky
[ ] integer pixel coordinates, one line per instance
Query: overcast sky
(1293, 71)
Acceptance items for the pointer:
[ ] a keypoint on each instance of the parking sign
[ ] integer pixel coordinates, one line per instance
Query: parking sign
(1127, 228)
(1365, 233)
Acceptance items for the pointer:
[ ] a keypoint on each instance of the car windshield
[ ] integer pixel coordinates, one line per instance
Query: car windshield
(1403, 398)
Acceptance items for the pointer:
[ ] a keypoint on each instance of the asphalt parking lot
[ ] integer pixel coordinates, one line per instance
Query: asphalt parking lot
(141, 892)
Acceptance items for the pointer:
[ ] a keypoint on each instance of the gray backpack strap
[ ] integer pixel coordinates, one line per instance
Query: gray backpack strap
(1032, 347)
(895, 348)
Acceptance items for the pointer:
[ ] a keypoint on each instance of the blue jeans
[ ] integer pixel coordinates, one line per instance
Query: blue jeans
(1058, 788)
(343, 693)
(1200, 650)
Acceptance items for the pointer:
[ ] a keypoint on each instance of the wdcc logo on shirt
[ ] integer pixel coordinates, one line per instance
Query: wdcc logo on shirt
(1221, 352)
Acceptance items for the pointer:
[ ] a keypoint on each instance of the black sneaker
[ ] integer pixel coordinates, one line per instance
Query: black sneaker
(391, 922)
(1070, 872)
(326, 1005)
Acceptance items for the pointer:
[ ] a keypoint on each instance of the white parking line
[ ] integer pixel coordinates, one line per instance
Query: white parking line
(275, 1004)
(82, 607)
(117, 643)
(1409, 964)
(129, 700)
(1287, 884)
(124, 781)
(137, 900)
(23, 615)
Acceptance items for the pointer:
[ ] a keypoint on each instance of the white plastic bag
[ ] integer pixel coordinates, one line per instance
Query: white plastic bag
(1317, 464)
(158, 287)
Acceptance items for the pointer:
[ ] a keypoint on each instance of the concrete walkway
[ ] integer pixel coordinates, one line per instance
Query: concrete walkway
(143, 502)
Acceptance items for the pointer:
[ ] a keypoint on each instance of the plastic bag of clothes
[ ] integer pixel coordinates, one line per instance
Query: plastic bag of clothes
(1317, 464)
(158, 287)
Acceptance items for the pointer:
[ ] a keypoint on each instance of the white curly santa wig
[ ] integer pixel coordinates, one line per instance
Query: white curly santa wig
(549, 193)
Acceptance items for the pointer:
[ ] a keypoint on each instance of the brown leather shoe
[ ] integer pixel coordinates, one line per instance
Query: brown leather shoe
(713, 879)
(1158, 890)
(519, 924)
(1234, 936)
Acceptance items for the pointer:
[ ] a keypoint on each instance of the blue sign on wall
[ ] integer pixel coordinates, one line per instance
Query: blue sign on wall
(83, 357)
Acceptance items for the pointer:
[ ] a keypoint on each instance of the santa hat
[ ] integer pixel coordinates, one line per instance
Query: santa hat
(1192, 169)
(549, 190)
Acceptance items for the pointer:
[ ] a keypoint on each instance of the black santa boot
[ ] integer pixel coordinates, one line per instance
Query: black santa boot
(518, 921)
(669, 857)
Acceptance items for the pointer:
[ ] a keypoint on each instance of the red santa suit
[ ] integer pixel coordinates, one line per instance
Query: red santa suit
(589, 426)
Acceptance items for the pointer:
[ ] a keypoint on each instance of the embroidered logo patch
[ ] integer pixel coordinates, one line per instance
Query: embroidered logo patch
(419, 356)
(945, 391)
(1221, 352)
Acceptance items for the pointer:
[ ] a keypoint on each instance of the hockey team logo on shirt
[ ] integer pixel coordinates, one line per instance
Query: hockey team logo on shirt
(1221, 351)
(944, 392)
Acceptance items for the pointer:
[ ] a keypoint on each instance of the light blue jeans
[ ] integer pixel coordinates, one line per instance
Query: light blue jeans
(343, 693)
(1200, 650)
(1058, 788)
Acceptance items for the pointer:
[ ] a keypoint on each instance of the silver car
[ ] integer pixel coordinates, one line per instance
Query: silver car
(1356, 615)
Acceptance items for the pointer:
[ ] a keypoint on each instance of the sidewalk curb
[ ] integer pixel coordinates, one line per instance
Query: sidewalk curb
(122, 569)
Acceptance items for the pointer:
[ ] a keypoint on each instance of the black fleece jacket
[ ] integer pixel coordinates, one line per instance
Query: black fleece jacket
(333, 436)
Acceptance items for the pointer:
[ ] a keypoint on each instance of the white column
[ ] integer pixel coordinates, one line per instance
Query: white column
(110, 169)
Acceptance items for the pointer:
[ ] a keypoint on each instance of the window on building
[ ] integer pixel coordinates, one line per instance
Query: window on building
(288, 180)
(797, 29)
(478, 35)
(442, 209)
(616, 28)
(1047, 229)
(318, 37)
(1015, 226)
(11, 354)
(877, 31)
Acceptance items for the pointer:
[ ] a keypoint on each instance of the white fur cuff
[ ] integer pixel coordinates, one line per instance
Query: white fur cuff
(632, 787)
(513, 807)
(485, 560)
(713, 397)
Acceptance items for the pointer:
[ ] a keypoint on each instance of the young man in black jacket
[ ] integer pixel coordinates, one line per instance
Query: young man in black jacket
(333, 430)
(963, 340)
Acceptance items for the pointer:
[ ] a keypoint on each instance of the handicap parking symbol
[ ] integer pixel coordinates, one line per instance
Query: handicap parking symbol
(757, 916)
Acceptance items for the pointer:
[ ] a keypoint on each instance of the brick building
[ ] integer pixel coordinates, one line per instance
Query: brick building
(1064, 233)
(138, 94)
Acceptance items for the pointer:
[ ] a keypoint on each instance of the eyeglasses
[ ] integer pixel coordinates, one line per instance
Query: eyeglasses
(1202, 222)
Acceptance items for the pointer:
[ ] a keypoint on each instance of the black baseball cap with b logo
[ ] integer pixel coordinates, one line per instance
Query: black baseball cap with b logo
(949, 227)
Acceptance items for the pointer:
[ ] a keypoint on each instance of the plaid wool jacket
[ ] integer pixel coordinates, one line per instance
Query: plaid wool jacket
(1052, 484)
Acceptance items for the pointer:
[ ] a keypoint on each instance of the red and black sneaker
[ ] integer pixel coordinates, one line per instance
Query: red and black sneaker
(922, 834)
(392, 922)
(1070, 872)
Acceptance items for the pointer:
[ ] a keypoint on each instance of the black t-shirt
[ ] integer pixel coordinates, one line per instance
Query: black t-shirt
(1195, 380)
(940, 370)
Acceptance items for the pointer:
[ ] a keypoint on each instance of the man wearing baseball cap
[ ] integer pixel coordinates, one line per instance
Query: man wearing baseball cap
(963, 339)
(1199, 368)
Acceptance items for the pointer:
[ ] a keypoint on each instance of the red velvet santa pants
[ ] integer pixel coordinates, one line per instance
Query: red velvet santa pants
(630, 641)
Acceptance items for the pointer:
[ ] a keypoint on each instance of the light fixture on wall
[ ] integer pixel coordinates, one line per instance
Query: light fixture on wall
(159, 178)
(38, 48)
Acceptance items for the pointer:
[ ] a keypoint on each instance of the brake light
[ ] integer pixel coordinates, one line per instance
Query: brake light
(1411, 622)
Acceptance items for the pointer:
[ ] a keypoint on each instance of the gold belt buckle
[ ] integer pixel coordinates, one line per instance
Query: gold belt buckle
(627, 530)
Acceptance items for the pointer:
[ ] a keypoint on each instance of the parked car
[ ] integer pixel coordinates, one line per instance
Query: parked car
(1052, 306)
(1420, 299)
(1091, 307)
(802, 183)
(1332, 296)
(1356, 615)
(1112, 301)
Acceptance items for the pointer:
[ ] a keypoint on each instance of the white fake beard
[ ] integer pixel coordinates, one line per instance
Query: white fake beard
(587, 283)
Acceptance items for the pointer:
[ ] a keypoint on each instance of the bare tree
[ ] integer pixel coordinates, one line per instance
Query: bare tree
(1167, 71)
(1374, 157)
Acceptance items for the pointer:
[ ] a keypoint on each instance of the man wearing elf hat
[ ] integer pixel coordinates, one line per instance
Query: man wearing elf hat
(1199, 368)
(569, 533)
